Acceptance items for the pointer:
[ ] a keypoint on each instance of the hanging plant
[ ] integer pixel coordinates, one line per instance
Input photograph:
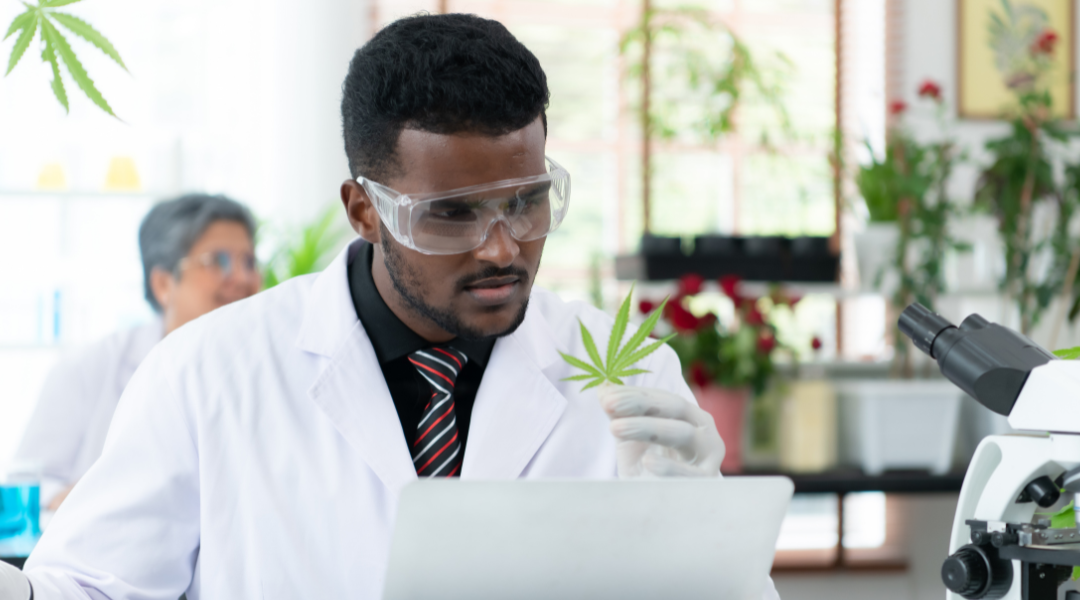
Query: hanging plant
(1021, 174)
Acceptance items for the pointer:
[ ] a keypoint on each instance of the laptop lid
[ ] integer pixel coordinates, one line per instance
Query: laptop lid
(647, 539)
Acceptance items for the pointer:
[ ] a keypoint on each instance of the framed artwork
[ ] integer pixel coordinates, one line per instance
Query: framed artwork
(1004, 44)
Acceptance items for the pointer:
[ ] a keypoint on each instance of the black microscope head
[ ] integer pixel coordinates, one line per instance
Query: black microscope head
(988, 361)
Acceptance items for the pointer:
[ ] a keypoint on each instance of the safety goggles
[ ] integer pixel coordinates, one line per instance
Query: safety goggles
(460, 220)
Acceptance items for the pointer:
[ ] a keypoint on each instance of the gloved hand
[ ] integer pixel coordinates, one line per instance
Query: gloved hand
(13, 584)
(661, 434)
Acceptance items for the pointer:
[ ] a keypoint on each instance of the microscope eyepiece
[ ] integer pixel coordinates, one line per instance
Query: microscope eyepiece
(989, 362)
(923, 326)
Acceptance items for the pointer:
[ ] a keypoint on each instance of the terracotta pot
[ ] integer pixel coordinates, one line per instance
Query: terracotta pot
(728, 408)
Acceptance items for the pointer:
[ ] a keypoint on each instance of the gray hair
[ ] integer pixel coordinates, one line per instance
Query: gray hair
(172, 227)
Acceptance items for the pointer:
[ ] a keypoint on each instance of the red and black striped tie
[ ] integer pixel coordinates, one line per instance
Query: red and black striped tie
(436, 451)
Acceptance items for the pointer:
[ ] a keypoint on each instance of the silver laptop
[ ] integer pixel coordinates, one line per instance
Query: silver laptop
(647, 539)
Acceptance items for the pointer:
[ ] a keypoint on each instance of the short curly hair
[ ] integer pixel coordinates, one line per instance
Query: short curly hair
(438, 73)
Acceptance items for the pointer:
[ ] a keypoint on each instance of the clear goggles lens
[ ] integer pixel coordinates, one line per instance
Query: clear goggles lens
(461, 220)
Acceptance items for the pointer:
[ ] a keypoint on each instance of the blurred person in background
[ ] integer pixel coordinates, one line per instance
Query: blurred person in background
(198, 254)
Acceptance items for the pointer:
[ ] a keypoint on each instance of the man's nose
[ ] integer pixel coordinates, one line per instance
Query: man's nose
(499, 248)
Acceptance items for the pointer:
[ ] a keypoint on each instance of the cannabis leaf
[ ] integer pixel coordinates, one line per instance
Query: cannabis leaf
(619, 359)
(1068, 353)
(44, 18)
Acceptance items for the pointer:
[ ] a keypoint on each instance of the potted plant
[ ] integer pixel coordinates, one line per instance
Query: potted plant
(910, 210)
(1019, 181)
(692, 73)
(727, 363)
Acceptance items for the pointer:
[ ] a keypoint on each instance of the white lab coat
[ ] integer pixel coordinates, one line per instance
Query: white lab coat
(67, 430)
(257, 453)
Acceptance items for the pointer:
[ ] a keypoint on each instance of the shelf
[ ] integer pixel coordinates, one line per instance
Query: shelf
(848, 481)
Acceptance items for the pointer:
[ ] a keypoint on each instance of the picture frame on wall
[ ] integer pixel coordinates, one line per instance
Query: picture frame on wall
(994, 44)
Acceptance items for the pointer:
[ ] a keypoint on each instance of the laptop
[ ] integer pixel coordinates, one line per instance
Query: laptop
(634, 539)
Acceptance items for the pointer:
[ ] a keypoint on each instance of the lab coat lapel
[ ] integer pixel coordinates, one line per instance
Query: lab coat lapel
(351, 389)
(516, 406)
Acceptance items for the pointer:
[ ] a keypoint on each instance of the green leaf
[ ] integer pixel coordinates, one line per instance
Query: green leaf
(20, 22)
(584, 366)
(56, 3)
(639, 336)
(593, 384)
(78, 73)
(57, 84)
(619, 329)
(84, 30)
(1068, 353)
(638, 355)
(582, 377)
(590, 347)
(21, 44)
(632, 372)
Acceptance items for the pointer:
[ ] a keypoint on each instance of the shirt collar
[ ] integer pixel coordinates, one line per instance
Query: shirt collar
(391, 338)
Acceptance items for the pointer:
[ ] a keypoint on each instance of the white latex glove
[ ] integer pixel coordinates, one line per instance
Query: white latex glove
(13, 584)
(661, 434)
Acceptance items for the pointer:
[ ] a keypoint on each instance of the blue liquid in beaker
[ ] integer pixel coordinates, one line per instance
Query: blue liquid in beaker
(19, 518)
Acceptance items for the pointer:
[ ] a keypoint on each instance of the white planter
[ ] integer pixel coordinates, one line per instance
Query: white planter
(874, 249)
(899, 424)
(981, 268)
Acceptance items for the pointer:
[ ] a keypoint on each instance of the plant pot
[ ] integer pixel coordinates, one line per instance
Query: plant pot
(728, 408)
(874, 248)
(981, 268)
(899, 424)
(716, 245)
(810, 246)
(808, 427)
(655, 245)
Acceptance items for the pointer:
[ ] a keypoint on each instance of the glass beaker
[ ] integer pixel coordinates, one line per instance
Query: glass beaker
(20, 509)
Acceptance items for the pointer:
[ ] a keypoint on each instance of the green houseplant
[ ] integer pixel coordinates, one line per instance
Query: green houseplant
(906, 188)
(692, 75)
(306, 249)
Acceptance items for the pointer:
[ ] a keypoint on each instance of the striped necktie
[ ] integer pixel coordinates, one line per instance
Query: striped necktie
(436, 450)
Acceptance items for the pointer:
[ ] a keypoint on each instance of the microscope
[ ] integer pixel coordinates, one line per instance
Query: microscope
(1003, 544)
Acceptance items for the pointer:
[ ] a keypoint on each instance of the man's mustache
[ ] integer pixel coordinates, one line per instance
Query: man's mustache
(491, 273)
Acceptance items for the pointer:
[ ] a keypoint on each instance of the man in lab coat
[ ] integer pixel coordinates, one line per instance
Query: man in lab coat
(197, 255)
(260, 451)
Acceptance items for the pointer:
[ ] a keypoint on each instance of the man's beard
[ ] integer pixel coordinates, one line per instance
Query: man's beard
(408, 285)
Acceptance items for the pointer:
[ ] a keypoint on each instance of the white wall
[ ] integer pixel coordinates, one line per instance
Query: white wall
(225, 96)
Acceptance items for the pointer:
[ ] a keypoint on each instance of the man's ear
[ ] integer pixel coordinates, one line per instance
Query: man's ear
(363, 216)
(161, 285)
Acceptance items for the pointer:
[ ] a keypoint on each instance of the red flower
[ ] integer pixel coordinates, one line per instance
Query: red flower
(816, 343)
(646, 306)
(683, 320)
(766, 343)
(930, 89)
(1044, 44)
(897, 107)
(754, 316)
(730, 285)
(699, 375)
(690, 285)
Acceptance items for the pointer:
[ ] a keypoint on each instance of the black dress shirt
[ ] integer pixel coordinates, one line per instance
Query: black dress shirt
(394, 342)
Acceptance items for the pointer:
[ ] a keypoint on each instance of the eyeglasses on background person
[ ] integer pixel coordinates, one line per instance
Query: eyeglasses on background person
(460, 220)
(220, 262)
